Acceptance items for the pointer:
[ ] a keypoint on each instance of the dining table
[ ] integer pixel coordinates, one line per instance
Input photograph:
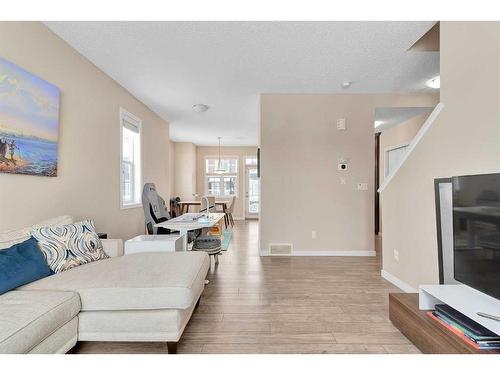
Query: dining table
(185, 205)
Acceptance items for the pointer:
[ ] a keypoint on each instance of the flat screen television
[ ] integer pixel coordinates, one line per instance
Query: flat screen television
(476, 232)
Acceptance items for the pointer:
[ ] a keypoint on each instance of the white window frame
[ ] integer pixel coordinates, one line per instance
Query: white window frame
(136, 121)
(228, 174)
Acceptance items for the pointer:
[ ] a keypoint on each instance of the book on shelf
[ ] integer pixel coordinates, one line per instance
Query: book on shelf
(479, 342)
(462, 321)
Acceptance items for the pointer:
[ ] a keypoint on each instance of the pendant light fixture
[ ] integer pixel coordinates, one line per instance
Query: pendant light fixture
(219, 169)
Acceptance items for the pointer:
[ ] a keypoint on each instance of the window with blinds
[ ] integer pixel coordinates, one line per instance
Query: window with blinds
(221, 184)
(131, 160)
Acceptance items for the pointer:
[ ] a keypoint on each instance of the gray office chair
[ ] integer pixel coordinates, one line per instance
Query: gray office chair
(154, 212)
(154, 209)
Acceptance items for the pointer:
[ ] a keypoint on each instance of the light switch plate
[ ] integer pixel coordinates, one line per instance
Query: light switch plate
(341, 124)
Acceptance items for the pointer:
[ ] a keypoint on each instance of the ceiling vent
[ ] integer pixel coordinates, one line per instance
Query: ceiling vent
(280, 249)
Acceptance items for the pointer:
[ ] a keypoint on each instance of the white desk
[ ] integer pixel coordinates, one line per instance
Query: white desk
(191, 221)
(154, 243)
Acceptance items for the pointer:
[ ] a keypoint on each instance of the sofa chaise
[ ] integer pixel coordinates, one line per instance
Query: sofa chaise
(139, 297)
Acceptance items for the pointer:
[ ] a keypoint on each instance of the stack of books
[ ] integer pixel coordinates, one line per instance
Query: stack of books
(468, 330)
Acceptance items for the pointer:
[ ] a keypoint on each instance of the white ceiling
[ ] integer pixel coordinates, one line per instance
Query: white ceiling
(393, 116)
(172, 65)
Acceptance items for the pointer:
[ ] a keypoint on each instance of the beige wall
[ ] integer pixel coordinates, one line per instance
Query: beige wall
(185, 170)
(300, 183)
(465, 139)
(241, 153)
(87, 185)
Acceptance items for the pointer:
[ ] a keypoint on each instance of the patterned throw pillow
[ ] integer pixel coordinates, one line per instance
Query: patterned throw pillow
(71, 245)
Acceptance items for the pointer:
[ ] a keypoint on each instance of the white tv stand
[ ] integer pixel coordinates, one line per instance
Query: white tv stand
(462, 298)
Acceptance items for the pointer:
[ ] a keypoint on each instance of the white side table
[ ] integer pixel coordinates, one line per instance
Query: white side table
(154, 243)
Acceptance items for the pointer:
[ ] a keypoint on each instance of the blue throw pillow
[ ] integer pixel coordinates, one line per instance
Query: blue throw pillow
(21, 264)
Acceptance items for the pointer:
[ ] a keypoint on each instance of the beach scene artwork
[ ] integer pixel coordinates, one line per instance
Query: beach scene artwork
(29, 122)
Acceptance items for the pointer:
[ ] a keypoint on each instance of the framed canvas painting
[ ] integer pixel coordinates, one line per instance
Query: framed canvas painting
(29, 122)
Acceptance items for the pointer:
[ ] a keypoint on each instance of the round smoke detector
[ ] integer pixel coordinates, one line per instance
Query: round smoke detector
(200, 108)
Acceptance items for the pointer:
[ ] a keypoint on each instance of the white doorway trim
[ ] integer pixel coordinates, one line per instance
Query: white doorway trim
(249, 215)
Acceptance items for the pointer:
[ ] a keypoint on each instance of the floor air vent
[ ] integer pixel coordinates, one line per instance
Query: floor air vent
(280, 249)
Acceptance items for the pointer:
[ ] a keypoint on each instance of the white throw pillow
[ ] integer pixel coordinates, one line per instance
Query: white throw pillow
(71, 245)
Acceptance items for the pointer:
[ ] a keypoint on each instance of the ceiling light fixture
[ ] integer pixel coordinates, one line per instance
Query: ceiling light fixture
(434, 83)
(346, 84)
(200, 108)
(219, 169)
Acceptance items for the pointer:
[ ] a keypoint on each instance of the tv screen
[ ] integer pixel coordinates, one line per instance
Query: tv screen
(476, 232)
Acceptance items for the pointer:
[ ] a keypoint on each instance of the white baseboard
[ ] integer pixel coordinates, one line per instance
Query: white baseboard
(398, 282)
(325, 253)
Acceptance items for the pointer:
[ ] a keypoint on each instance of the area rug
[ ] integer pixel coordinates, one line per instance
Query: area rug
(227, 234)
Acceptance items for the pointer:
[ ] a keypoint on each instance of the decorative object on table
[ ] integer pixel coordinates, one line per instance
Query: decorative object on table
(29, 122)
(71, 245)
(21, 264)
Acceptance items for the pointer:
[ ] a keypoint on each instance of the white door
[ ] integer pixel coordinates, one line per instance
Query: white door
(252, 187)
(393, 157)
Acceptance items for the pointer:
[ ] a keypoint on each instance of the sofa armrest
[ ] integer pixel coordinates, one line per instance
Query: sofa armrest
(113, 247)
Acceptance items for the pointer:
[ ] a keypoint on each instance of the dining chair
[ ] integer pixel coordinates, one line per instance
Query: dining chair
(230, 209)
(211, 203)
(175, 207)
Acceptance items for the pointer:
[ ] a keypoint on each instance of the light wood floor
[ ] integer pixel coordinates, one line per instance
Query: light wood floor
(285, 305)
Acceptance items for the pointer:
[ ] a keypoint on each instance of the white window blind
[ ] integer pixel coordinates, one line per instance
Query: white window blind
(131, 160)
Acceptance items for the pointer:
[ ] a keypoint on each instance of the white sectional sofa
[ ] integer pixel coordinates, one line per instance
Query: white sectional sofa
(139, 297)
(38, 322)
